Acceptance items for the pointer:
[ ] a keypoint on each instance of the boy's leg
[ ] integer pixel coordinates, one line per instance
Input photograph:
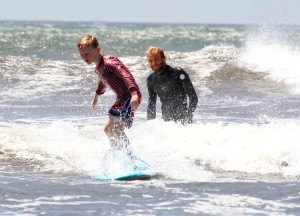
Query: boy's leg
(114, 129)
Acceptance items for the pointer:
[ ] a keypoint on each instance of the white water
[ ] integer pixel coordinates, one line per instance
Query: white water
(268, 54)
(171, 149)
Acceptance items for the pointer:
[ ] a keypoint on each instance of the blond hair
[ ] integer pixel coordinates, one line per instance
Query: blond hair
(88, 40)
(155, 50)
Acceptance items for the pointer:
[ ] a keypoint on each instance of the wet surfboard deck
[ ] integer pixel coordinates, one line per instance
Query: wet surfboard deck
(122, 167)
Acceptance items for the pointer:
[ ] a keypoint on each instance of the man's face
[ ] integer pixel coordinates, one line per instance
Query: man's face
(90, 54)
(156, 62)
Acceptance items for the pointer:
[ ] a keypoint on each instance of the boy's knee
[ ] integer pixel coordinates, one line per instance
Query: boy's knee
(107, 129)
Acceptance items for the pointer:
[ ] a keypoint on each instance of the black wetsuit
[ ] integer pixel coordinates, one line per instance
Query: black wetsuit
(173, 87)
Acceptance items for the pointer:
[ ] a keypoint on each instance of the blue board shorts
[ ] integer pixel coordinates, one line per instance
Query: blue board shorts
(123, 111)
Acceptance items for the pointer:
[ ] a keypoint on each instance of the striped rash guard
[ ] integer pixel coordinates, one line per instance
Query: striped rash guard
(114, 74)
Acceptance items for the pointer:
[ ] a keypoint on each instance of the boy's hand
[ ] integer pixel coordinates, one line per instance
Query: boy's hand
(95, 102)
(134, 102)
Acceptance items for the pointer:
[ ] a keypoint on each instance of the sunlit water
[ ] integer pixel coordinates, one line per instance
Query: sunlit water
(240, 156)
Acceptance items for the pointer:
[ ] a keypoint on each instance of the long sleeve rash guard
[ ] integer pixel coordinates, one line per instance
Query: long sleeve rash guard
(114, 74)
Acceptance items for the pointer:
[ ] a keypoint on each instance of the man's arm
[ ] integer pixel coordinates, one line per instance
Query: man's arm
(192, 95)
(151, 109)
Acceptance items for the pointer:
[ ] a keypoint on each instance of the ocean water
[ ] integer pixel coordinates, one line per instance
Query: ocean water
(241, 156)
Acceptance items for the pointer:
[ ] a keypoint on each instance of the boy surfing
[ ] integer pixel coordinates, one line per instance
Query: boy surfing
(114, 74)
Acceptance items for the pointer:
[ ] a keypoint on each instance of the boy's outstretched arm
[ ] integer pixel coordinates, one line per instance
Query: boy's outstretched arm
(95, 100)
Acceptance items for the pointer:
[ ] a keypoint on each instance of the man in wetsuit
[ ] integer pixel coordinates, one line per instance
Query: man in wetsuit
(173, 86)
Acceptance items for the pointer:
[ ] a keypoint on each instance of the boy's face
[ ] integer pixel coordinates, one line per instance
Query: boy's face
(90, 54)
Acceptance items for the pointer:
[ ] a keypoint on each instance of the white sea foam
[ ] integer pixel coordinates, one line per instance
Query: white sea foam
(36, 78)
(172, 150)
(204, 62)
(237, 147)
(275, 58)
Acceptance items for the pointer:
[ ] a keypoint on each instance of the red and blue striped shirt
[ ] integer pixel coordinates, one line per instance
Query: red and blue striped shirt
(114, 74)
